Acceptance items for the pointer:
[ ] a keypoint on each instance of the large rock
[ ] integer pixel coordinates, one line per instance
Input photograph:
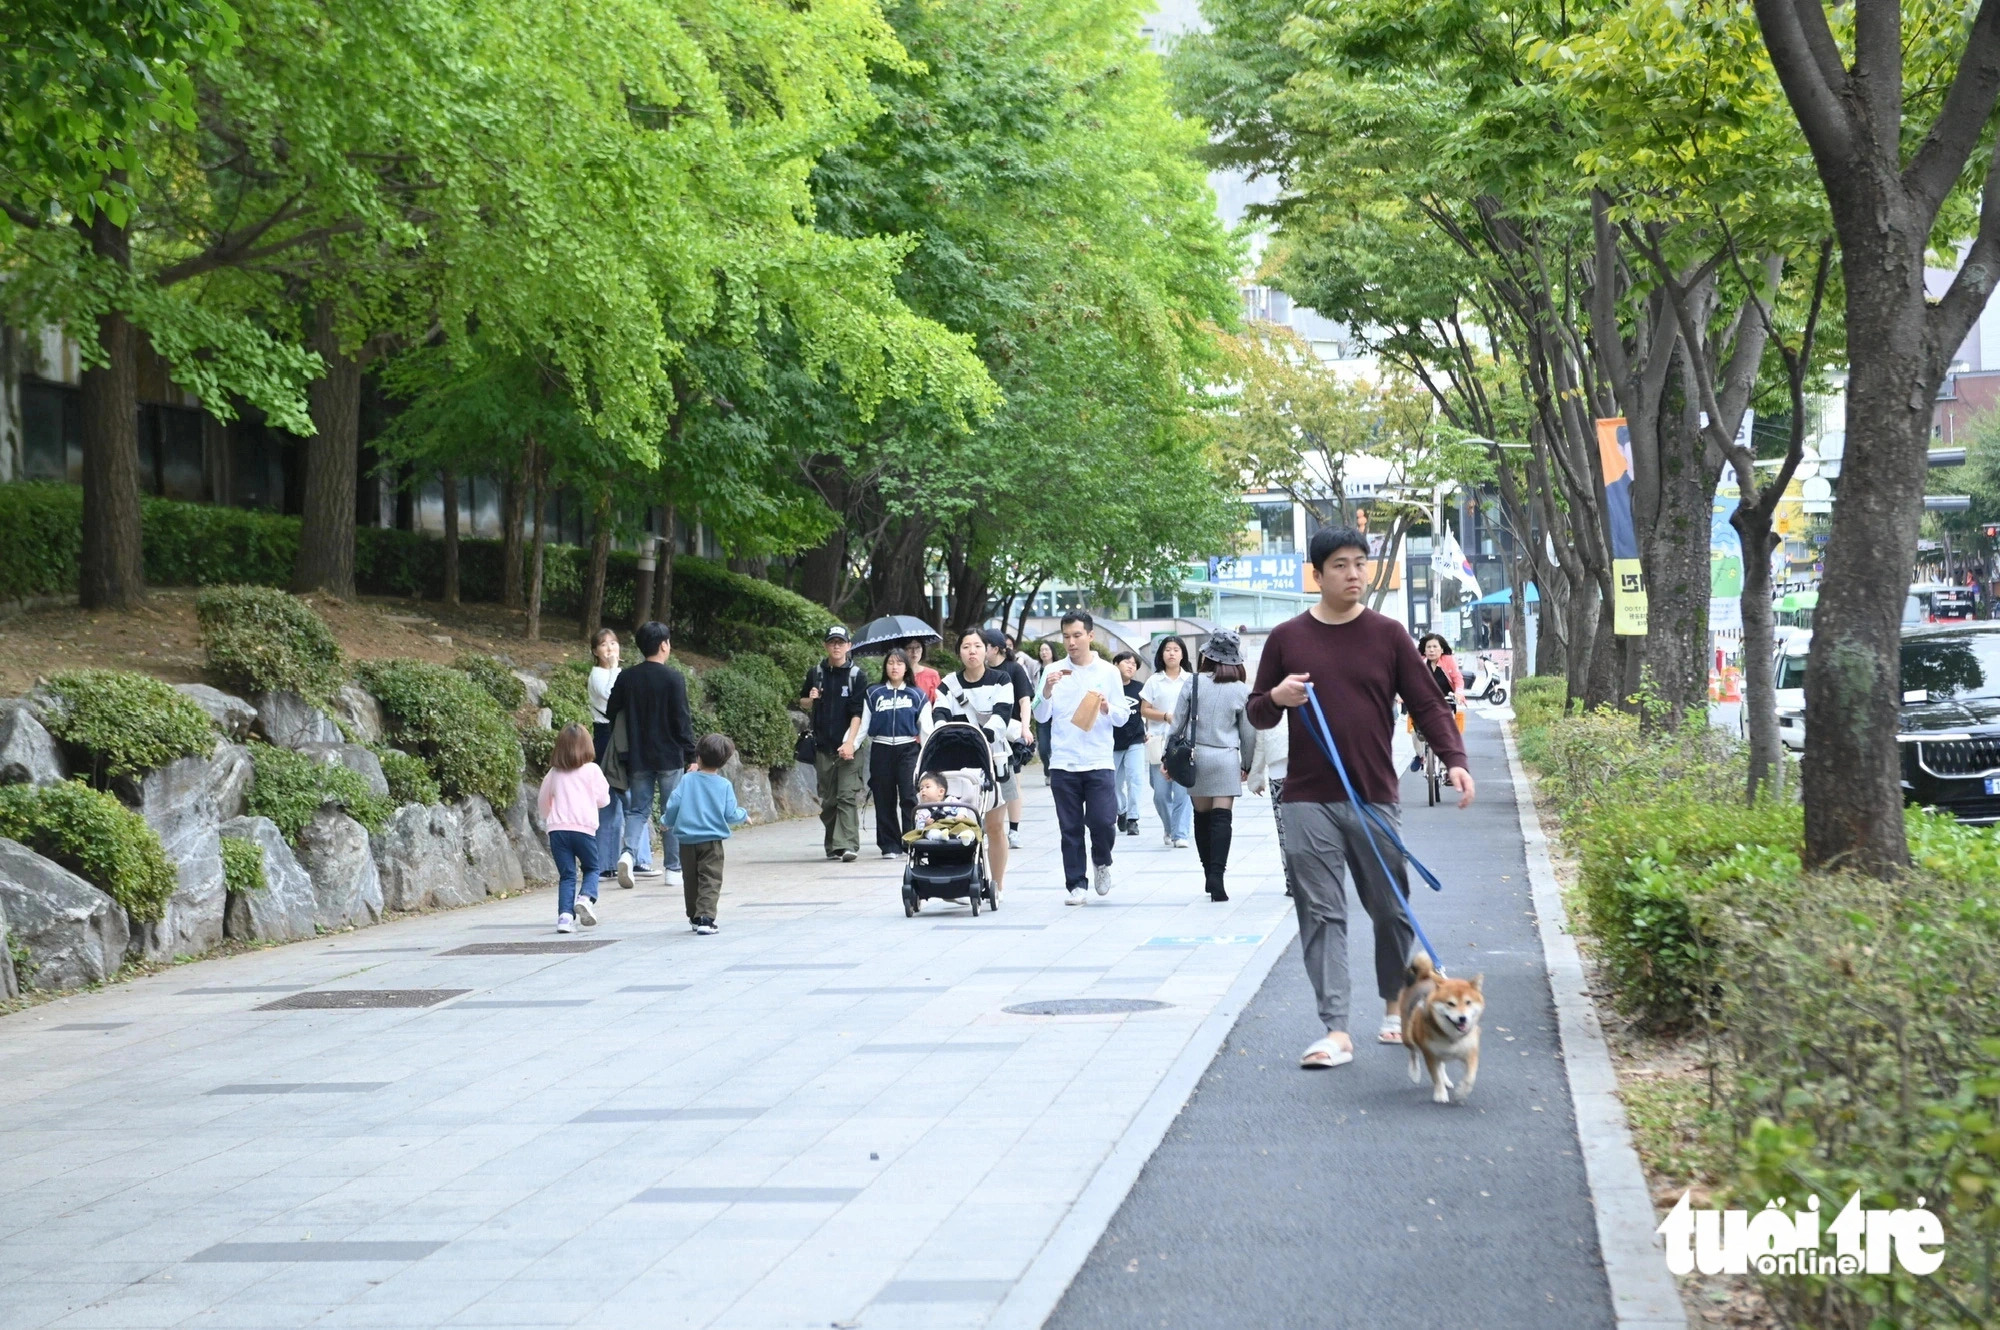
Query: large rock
(363, 714)
(356, 759)
(10, 983)
(536, 685)
(335, 852)
(283, 910)
(185, 802)
(491, 865)
(73, 933)
(29, 755)
(420, 855)
(753, 790)
(795, 790)
(289, 721)
(529, 837)
(231, 714)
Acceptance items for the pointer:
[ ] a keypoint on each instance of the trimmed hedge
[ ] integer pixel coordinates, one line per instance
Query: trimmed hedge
(259, 639)
(495, 676)
(97, 838)
(125, 724)
(410, 780)
(289, 787)
(242, 865)
(445, 718)
(41, 540)
(747, 697)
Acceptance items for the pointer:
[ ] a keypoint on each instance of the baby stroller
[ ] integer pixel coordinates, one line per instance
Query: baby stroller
(951, 869)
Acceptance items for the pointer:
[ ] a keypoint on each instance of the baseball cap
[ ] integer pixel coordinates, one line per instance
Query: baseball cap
(837, 633)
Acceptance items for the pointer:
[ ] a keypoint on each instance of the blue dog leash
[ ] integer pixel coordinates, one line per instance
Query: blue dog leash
(1370, 821)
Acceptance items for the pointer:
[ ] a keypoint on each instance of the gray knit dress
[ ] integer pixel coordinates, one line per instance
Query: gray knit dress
(1224, 738)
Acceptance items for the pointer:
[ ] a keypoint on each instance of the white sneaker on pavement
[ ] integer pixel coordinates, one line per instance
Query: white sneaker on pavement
(1167, 839)
(586, 911)
(1105, 879)
(1077, 896)
(674, 878)
(565, 923)
(1182, 842)
(625, 870)
(1013, 839)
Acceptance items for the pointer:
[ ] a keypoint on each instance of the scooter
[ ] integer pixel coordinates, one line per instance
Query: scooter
(1486, 685)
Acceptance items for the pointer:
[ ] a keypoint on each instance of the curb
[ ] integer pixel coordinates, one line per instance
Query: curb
(1035, 1295)
(1643, 1294)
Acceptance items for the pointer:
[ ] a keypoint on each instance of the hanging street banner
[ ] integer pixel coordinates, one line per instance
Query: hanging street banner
(1628, 580)
(1725, 565)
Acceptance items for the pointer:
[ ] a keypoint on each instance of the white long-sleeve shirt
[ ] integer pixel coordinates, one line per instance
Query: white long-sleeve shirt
(1070, 747)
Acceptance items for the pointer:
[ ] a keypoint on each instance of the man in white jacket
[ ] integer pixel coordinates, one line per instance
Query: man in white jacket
(1084, 687)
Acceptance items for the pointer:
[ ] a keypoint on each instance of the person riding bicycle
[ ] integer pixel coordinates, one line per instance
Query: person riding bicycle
(1444, 672)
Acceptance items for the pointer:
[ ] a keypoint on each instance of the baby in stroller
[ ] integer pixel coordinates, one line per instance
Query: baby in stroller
(944, 813)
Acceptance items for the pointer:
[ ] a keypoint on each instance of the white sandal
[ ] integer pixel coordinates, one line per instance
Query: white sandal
(1325, 1053)
(1391, 1031)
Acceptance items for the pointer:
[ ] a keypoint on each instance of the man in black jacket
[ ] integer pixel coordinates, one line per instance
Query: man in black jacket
(834, 692)
(660, 739)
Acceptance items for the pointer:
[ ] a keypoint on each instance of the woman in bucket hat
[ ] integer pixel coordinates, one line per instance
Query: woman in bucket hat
(1224, 740)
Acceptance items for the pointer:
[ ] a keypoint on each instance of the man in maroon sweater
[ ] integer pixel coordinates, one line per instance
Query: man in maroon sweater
(1358, 662)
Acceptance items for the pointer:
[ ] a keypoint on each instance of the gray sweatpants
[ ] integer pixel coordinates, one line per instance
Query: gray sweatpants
(1320, 841)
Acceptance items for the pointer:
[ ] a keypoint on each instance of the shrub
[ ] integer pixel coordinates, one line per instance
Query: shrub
(199, 544)
(97, 838)
(242, 864)
(290, 787)
(538, 748)
(496, 676)
(1859, 1018)
(410, 780)
(707, 595)
(41, 540)
(568, 695)
(454, 725)
(260, 639)
(126, 724)
(748, 700)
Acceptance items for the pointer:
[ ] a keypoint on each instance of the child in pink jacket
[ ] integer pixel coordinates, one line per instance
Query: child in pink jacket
(571, 794)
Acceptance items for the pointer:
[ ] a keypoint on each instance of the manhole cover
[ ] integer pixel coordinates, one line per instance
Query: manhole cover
(551, 948)
(341, 999)
(1085, 1007)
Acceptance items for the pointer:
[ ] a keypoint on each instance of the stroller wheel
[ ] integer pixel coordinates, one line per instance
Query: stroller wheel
(972, 898)
(910, 902)
(992, 897)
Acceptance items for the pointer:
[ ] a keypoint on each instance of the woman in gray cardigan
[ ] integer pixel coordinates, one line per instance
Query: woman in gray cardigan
(1224, 740)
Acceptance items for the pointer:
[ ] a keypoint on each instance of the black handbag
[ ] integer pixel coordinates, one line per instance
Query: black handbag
(1179, 757)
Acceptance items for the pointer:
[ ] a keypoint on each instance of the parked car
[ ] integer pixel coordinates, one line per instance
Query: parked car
(1788, 674)
(1950, 730)
(1954, 605)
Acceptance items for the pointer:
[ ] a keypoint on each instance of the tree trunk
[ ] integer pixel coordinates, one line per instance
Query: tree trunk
(1675, 647)
(600, 560)
(113, 569)
(1027, 605)
(449, 479)
(823, 566)
(1853, 769)
(326, 531)
(1600, 663)
(513, 511)
(896, 581)
(663, 582)
(541, 502)
(1517, 610)
(1760, 698)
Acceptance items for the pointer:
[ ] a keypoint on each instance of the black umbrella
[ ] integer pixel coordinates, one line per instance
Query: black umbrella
(892, 630)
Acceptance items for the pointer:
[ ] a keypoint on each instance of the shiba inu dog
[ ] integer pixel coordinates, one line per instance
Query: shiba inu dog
(1440, 1025)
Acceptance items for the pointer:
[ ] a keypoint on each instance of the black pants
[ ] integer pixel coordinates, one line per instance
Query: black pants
(892, 777)
(1085, 799)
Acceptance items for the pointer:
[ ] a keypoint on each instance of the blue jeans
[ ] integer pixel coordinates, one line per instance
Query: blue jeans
(639, 817)
(1129, 766)
(611, 817)
(576, 865)
(1172, 802)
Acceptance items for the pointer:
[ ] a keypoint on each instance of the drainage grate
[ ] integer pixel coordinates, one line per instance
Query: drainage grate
(346, 999)
(1085, 1007)
(551, 948)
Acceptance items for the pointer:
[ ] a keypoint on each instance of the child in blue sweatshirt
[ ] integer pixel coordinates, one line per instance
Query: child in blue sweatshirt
(701, 810)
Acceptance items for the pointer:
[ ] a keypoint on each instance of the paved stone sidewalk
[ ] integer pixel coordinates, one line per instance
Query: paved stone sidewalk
(820, 1116)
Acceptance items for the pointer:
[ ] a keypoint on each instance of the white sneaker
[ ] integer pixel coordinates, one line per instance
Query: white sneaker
(1167, 839)
(706, 928)
(565, 923)
(1182, 842)
(1013, 839)
(1077, 896)
(625, 870)
(674, 878)
(1105, 879)
(586, 911)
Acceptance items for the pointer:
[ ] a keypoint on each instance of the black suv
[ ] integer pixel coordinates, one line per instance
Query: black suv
(1951, 719)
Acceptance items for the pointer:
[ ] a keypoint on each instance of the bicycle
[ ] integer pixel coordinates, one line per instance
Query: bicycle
(1427, 758)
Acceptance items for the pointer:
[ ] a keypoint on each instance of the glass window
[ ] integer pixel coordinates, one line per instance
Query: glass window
(1950, 668)
(51, 432)
(1270, 528)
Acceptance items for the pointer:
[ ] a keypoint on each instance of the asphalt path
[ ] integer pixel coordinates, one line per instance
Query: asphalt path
(1288, 1198)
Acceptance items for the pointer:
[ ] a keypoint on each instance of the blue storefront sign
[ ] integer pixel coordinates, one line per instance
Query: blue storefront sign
(1258, 572)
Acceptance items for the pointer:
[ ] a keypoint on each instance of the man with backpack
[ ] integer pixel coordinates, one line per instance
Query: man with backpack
(834, 696)
(1357, 662)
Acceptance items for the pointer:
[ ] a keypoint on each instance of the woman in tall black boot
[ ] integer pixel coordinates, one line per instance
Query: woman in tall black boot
(1224, 739)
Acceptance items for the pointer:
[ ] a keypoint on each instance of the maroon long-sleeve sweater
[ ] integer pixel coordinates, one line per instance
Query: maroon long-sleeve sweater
(1358, 668)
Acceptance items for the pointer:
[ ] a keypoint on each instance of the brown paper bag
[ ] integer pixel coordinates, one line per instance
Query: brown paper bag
(1088, 710)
